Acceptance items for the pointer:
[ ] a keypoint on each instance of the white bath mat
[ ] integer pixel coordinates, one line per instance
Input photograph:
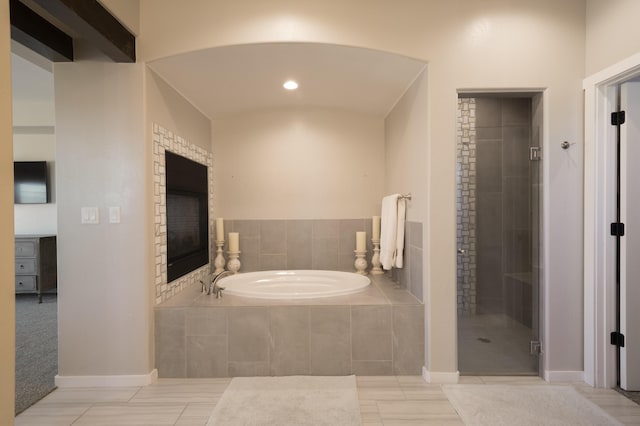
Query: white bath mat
(291, 400)
(496, 405)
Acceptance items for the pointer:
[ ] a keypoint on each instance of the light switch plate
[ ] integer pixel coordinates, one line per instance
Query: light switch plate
(90, 215)
(114, 214)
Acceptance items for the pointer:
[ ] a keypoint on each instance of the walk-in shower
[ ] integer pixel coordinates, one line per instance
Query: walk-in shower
(498, 226)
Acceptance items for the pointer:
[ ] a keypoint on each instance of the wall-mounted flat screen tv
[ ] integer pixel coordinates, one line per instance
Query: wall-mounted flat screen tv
(30, 182)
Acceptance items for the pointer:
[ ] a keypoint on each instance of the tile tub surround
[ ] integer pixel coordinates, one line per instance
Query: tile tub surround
(320, 244)
(410, 276)
(299, 244)
(379, 331)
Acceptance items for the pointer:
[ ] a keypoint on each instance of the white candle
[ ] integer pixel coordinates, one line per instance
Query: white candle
(375, 231)
(234, 241)
(361, 241)
(219, 229)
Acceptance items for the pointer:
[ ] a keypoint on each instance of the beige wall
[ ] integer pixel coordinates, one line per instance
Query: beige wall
(33, 113)
(7, 280)
(491, 44)
(613, 33)
(298, 164)
(407, 170)
(104, 113)
(405, 150)
(102, 156)
(169, 109)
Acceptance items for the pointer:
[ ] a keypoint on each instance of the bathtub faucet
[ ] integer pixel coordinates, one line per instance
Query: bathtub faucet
(214, 287)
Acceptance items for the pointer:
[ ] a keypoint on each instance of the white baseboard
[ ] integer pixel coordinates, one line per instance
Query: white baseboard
(440, 377)
(564, 376)
(106, 381)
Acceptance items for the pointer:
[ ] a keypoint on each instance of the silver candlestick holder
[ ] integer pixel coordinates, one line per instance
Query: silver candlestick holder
(375, 259)
(360, 262)
(234, 262)
(219, 262)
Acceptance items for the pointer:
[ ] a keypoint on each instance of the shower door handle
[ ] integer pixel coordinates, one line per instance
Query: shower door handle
(461, 251)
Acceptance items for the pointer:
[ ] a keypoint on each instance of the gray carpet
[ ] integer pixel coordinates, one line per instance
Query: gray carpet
(36, 348)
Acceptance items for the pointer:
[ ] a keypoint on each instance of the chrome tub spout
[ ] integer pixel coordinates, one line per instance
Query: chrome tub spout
(214, 287)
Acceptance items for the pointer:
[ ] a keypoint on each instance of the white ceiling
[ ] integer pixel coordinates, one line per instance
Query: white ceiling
(229, 80)
(234, 79)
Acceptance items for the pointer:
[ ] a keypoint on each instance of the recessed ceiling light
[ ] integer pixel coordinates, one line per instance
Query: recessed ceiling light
(290, 85)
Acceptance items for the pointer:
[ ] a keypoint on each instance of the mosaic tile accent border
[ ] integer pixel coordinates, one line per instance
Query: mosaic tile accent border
(466, 206)
(164, 140)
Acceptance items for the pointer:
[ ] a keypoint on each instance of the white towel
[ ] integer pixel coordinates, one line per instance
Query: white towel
(392, 231)
(402, 207)
(388, 229)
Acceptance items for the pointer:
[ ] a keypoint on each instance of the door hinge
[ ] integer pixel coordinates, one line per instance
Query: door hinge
(535, 153)
(617, 339)
(617, 229)
(617, 118)
(534, 347)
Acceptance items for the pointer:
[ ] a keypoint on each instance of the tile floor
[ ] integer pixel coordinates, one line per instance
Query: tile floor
(494, 344)
(384, 400)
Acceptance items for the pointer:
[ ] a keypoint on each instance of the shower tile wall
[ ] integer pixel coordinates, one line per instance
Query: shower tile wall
(503, 210)
(466, 206)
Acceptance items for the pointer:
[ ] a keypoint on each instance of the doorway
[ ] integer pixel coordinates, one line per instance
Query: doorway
(607, 268)
(627, 123)
(498, 233)
(35, 226)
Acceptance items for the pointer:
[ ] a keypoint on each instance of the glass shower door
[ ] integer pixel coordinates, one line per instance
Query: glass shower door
(498, 205)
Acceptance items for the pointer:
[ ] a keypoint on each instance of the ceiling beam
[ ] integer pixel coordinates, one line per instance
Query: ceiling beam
(31, 30)
(89, 20)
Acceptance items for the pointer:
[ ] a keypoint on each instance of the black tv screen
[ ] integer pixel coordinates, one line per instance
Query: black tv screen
(30, 182)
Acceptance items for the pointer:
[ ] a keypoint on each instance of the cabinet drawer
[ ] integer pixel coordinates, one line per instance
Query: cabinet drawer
(25, 266)
(25, 283)
(26, 248)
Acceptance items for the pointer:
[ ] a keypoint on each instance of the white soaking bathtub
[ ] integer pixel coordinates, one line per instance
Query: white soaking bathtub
(294, 284)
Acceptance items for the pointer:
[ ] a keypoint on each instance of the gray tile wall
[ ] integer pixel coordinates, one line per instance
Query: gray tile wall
(330, 340)
(503, 209)
(466, 206)
(410, 276)
(289, 340)
(299, 244)
(320, 244)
